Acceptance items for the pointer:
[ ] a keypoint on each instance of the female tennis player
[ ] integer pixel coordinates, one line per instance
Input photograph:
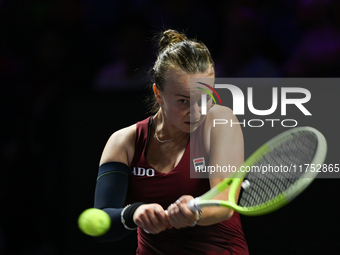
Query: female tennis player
(144, 175)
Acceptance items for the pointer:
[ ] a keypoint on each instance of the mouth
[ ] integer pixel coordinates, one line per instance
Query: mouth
(192, 123)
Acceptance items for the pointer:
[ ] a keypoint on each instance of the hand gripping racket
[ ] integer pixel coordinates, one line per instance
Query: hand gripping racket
(273, 175)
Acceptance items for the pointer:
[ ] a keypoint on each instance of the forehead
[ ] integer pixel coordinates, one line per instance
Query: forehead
(181, 82)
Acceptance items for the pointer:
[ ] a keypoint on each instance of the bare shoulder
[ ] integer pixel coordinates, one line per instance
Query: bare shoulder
(221, 112)
(120, 146)
(221, 118)
(222, 126)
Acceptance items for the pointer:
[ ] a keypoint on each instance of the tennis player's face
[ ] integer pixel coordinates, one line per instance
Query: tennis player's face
(181, 99)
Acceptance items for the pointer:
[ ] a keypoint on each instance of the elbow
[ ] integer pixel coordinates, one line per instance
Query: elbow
(229, 214)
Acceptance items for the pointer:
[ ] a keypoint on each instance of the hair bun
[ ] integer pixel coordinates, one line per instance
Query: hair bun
(170, 37)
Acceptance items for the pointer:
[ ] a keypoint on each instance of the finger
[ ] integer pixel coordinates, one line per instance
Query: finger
(160, 220)
(184, 217)
(176, 217)
(149, 221)
(145, 223)
(167, 216)
(162, 215)
(186, 210)
(152, 228)
(171, 215)
(157, 226)
(184, 199)
(190, 215)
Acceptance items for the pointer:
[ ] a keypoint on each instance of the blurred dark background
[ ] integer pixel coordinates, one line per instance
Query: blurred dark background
(72, 72)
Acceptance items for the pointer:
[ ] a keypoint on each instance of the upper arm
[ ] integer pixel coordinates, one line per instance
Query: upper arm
(120, 146)
(224, 142)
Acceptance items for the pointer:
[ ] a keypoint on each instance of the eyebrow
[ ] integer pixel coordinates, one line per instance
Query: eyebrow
(180, 95)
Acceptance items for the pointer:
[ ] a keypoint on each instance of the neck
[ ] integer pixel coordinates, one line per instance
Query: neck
(164, 130)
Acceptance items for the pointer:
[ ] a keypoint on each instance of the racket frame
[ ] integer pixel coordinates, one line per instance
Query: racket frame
(280, 200)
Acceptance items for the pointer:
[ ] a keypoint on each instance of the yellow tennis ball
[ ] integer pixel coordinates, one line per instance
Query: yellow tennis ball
(94, 222)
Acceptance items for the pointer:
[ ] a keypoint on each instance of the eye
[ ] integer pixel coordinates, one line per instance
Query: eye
(183, 101)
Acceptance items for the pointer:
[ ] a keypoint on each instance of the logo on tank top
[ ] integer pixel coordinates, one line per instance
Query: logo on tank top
(141, 171)
(199, 163)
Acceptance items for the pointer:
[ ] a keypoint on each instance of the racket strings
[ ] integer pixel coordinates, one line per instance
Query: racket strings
(278, 170)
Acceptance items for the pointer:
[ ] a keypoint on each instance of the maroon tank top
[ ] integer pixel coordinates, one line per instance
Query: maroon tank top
(146, 184)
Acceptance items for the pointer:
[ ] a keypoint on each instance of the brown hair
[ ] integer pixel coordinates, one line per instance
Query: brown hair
(176, 50)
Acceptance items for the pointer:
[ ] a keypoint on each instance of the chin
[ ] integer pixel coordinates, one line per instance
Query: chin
(193, 128)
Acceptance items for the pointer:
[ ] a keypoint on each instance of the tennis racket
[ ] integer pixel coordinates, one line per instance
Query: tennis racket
(293, 157)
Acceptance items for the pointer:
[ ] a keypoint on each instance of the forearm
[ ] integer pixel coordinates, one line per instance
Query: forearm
(110, 193)
(213, 215)
(117, 230)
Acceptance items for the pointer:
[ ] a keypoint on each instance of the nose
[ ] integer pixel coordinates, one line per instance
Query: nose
(195, 112)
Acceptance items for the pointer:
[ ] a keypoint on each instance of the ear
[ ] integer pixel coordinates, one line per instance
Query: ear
(157, 93)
